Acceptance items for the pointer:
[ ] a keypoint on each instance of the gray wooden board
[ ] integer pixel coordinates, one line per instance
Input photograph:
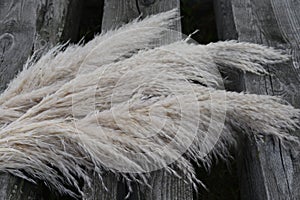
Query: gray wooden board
(14, 188)
(267, 169)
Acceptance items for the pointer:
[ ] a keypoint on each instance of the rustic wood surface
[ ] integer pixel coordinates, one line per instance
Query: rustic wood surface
(227, 31)
(30, 25)
(27, 26)
(117, 13)
(14, 188)
(98, 191)
(17, 30)
(164, 187)
(267, 169)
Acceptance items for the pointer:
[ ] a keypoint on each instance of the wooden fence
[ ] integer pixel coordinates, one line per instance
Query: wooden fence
(266, 170)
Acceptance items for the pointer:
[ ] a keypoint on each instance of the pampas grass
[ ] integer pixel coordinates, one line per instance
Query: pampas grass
(118, 104)
(58, 67)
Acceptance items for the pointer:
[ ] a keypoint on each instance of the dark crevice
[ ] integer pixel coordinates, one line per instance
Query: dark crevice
(138, 6)
(91, 19)
(222, 180)
(271, 81)
(199, 15)
(284, 169)
(72, 25)
(122, 190)
(266, 84)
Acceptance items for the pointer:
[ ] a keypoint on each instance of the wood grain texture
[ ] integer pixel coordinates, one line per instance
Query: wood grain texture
(227, 31)
(99, 192)
(17, 29)
(27, 26)
(31, 25)
(269, 171)
(224, 20)
(163, 187)
(13, 188)
(116, 13)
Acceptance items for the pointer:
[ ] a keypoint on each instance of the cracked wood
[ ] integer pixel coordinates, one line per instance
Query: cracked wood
(268, 171)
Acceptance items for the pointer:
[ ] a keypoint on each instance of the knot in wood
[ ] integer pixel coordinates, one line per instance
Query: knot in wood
(6, 42)
(147, 2)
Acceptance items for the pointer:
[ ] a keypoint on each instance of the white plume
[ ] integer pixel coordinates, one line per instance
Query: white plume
(58, 67)
(110, 106)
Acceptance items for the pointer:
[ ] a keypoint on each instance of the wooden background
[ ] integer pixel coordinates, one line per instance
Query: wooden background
(265, 169)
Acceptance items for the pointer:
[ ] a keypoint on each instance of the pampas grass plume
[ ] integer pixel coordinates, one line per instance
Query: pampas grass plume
(119, 104)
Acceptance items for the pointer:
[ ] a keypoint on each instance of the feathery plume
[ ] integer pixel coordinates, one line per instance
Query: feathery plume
(58, 67)
(106, 106)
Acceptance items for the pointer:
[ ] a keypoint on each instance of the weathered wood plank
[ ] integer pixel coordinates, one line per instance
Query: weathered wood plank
(116, 12)
(224, 19)
(31, 25)
(269, 171)
(227, 31)
(163, 187)
(99, 192)
(14, 188)
(27, 26)
(17, 29)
